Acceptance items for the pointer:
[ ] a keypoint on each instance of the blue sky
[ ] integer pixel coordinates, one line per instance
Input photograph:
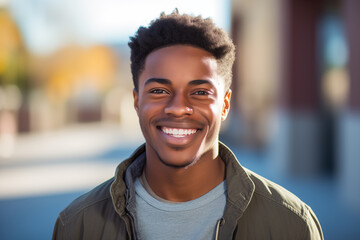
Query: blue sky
(50, 24)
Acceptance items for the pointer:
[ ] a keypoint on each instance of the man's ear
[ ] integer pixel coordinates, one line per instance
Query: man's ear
(136, 100)
(226, 105)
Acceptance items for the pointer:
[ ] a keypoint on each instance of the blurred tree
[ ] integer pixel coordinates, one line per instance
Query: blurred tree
(13, 70)
(12, 53)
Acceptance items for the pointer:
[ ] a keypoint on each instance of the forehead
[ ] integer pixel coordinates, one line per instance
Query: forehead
(179, 49)
(181, 64)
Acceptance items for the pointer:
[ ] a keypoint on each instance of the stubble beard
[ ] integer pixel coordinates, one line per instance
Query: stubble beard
(176, 166)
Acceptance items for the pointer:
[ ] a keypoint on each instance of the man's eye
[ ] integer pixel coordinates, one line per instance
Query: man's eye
(201, 93)
(158, 91)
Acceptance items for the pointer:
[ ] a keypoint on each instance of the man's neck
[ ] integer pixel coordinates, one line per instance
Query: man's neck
(186, 183)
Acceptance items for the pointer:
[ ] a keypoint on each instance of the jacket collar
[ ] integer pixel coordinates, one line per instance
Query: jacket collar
(119, 190)
(240, 189)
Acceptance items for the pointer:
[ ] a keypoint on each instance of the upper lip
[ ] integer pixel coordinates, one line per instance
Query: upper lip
(179, 124)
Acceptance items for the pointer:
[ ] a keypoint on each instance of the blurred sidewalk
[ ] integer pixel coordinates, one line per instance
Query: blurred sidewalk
(79, 141)
(71, 159)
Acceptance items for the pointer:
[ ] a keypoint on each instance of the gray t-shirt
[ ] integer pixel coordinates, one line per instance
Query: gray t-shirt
(157, 218)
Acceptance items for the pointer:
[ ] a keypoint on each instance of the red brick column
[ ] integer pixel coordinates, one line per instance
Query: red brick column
(297, 135)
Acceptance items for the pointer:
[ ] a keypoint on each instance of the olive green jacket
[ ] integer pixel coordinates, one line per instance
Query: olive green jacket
(256, 208)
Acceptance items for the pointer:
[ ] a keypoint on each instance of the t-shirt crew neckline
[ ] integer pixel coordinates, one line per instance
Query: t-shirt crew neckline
(163, 204)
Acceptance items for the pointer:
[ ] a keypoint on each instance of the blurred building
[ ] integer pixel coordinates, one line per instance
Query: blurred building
(296, 88)
(70, 85)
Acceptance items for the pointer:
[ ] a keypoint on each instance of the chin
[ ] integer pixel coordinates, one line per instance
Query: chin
(178, 163)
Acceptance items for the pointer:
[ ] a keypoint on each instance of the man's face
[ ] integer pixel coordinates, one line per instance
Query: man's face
(181, 102)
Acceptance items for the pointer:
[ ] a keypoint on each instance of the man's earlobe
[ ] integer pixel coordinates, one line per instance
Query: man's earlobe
(226, 105)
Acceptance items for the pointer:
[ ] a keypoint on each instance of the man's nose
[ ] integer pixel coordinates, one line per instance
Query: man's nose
(178, 106)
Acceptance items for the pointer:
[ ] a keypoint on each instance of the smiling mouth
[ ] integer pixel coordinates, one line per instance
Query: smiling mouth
(178, 132)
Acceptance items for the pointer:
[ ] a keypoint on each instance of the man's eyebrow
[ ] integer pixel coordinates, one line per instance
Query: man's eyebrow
(200, 81)
(158, 80)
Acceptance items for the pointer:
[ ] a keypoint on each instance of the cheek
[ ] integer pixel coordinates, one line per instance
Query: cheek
(148, 110)
(213, 118)
(212, 113)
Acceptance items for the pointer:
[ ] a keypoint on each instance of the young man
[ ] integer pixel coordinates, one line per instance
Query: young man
(183, 183)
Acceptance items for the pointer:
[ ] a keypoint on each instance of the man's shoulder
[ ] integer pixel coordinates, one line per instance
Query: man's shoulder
(277, 196)
(275, 211)
(96, 197)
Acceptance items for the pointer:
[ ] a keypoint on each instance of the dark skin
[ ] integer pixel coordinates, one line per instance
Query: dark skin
(181, 102)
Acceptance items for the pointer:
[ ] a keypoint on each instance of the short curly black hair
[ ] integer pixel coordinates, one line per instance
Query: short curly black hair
(184, 29)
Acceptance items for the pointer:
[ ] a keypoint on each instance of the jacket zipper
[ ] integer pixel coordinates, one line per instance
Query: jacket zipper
(219, 222)
(132, 226)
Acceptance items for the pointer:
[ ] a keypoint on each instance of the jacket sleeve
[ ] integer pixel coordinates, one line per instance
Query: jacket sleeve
(59, 230)
(313, 231)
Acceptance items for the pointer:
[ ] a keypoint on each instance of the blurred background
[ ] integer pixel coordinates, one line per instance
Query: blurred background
(67, 118)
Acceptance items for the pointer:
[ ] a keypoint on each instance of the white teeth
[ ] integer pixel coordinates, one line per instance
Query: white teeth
(178, 132)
